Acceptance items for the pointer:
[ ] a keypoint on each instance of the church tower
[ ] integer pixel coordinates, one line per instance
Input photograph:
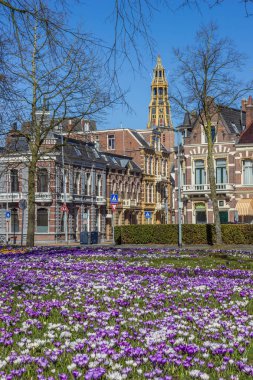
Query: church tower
(159, 106)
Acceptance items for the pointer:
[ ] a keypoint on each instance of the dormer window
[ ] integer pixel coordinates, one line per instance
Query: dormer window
(111, 142)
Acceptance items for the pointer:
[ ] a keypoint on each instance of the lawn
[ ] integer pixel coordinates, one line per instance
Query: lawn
(126, 314)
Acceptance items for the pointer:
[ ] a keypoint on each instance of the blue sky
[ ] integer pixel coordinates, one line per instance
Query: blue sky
(170, 29)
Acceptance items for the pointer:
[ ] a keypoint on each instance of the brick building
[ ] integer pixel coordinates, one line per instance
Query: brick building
(233, 156)
(85, 176)
(151, 149)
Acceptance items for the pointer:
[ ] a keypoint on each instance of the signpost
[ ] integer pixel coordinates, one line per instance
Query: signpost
(148, 215)
(114, 200)
(7, 217)
(64, 208)
(22, 204)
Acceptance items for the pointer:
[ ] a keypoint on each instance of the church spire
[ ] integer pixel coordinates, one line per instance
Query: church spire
(159, 106)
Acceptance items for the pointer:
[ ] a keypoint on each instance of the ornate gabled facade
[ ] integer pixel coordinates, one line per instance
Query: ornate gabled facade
(233, 158)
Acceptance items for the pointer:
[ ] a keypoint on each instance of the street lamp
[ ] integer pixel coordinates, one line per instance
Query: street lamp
(64, 189)
(179, 196)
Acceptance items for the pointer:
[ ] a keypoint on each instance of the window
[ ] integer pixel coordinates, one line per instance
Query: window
(248, 172)
(213, 133)
(203, 136)
(154, 91)
(99, 185)
(151, 165)
(111, 142)
(87, 188)
(200, 174)
(76, 188)
(160, 91)
(42, 181)
(146, 165)
(42, 220)
(147, 193)
(160, 73)
(14, 220)
(14, 181)
(157, 166)
(200, 212)
(221, 171)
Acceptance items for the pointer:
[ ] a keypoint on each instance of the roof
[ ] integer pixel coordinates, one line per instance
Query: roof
(247, 136)
(141, 140)
(120, 162)
(234, 118)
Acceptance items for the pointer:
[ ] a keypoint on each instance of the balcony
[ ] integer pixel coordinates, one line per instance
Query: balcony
(43, 197)
(133, 202)
(69, 197)
(100, 200)
(126, 203)
(10, 197)
(197, 189)
(160, 206)
(77, 197)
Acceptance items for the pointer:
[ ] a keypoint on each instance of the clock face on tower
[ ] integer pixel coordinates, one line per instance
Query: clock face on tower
(160, 110)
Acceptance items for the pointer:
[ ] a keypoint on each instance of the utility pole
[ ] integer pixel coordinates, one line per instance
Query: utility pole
(179, 196)
(64, 190)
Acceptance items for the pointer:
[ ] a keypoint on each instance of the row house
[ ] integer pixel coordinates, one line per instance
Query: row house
(233, 160)
(154, 161)
(85, 177)
(124, 178)
(90, 177)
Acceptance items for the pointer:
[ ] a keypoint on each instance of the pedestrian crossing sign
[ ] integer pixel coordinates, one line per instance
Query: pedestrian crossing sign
(147, 214)
(114, 199)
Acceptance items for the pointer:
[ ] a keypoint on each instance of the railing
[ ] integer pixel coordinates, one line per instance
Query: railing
(206, 188)
(10, 197)
(43, 197)
(15, 197)
(160, 206)
(133, 202)
(126, 203)
(100, 200)
(69, 197)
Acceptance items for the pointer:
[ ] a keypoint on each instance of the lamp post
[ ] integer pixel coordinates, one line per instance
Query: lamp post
(179, 200)
(64, 189)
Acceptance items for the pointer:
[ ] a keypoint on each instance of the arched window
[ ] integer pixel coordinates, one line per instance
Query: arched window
(14, 220)
(42, 220)
(76, 188)
(14, 181)
(42, 181)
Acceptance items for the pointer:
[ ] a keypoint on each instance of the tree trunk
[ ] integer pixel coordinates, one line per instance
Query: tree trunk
(212, 181)
(31, 203)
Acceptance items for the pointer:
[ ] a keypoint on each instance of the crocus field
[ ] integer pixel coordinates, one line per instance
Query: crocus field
(110, 313)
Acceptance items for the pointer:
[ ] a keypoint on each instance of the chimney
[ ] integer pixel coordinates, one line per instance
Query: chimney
(249, 112)
(244, 102)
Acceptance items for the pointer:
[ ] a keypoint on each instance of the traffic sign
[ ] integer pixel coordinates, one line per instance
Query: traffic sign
(64, 208)
(22, 204)
(147, 214)
(114, 199)
(7, 214)
(113, 207)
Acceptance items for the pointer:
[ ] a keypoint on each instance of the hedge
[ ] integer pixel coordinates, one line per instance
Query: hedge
(191, 234)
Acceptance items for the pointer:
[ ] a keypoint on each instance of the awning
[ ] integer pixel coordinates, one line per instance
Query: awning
(244, 207)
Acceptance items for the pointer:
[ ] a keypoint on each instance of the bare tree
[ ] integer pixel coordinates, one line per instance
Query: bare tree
(207, 77)
(50, 68)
